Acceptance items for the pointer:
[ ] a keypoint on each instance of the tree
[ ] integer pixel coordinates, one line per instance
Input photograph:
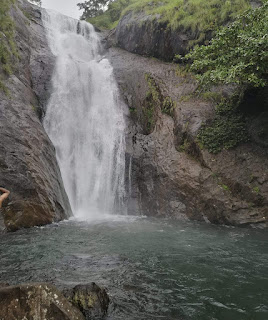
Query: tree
(238, 53)
(93, 8)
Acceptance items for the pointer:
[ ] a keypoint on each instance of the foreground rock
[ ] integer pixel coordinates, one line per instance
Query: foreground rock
(28, 166)
(90, 299)
(171, 175)
(36, 301)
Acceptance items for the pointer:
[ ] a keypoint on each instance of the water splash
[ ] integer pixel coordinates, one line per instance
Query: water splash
(84, 118)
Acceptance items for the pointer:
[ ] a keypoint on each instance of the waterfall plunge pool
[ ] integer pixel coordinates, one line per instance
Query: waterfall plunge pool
(152, 269)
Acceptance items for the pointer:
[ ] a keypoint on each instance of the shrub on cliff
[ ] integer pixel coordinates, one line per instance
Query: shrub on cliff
(238, 53)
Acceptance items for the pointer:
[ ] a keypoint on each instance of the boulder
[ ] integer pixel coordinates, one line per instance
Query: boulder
(28, 165)
(147, 35)
(36, 301)
(90, 299)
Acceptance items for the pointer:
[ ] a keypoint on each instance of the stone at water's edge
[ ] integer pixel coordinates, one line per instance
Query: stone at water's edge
(28, 166)
(36, 301)
(90, 299)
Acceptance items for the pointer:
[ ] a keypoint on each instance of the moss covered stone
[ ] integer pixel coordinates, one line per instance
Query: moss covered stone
(153, 102)
(90, 299)
(226, 131)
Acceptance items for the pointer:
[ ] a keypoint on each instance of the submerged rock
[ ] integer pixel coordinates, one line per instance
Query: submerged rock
(36, 301)
(28, 165)
(90, 299)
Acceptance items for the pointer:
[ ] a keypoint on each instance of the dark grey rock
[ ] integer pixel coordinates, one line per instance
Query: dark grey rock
(168, 180)
(147, 35)
(28, 166)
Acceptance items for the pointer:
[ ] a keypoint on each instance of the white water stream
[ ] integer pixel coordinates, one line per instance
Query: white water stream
(84, 119)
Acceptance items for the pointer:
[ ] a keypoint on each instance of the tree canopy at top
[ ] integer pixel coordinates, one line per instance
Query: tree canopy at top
(93, 8)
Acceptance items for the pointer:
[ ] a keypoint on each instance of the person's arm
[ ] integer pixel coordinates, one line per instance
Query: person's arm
(4, 195)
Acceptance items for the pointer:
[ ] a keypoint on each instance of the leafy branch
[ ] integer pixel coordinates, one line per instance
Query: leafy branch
(238, 53)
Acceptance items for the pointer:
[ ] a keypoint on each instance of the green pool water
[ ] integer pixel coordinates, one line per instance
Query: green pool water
(152, 268)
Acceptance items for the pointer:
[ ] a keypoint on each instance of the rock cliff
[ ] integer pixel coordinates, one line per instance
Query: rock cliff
(28, 166)
(144, 34)
(149, 33)
(171, 174)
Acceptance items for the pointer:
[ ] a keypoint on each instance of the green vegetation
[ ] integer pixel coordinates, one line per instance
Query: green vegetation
(150, 104)
(27, 15)
(3, 87)
(110, 18)
(184, 147)
(224, 187)
(256, 190)
(92, 8)
(155, 101)
(197, 16)
(227, 130)
(238, 53)
(8, 49)
(215, 97)
(168, 106)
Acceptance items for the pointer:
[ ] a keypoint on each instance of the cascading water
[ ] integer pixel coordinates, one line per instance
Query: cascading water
(84, 118)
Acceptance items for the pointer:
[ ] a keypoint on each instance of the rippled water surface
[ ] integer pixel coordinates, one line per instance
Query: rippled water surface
(153, 269)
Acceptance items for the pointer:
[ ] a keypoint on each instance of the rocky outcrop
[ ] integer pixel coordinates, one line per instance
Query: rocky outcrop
(147, 35)
(151, 34)
(28, 166)
(171, 174)
(36, 301)
(90, 299)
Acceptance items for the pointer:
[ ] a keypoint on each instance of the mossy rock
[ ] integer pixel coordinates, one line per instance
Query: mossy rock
(35, 301)
(90, 299)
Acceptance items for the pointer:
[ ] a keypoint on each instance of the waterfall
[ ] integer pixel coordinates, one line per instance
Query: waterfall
(84, 118)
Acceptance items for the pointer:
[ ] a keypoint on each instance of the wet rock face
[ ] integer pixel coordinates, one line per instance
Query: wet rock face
(28, 166)
(36, 301)
(90, 299)
(171, 175)
(147, 35)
